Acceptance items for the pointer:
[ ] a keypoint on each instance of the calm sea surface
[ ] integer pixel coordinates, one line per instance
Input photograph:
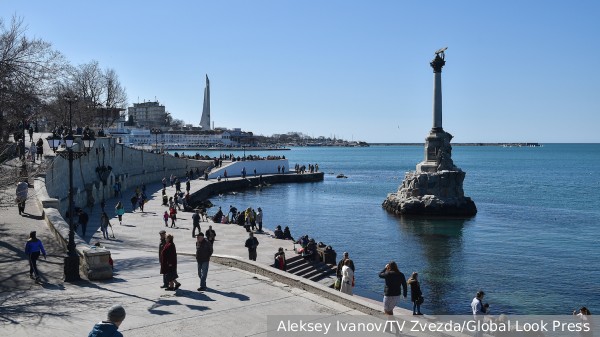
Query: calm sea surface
(533, 247)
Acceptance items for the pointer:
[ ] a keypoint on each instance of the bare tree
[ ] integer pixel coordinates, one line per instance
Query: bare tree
(28, 69)
(115, 98)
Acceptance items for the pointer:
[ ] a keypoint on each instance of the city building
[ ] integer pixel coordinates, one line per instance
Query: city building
(148, 114)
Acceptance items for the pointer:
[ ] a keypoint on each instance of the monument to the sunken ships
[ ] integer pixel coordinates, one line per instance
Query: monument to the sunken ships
(436, 187)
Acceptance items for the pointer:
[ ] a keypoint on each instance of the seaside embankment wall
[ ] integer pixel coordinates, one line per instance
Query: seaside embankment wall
(93, 181)
(251, 182)
(235, 168)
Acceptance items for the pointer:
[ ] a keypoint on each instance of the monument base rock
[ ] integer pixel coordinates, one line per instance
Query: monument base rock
(431, 194)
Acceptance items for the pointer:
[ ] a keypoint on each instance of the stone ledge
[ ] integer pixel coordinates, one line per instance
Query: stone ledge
(356, 303)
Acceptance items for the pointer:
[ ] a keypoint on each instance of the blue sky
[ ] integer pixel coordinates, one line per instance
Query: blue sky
(522, 71)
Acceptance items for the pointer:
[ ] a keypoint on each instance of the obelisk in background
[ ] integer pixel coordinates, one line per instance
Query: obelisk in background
(436, 187)
(205, 120)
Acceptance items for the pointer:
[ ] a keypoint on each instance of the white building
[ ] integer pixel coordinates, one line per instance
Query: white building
(171, 139)
(148, 114)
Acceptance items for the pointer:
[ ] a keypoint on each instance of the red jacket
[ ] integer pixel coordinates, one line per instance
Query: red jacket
(168, 259)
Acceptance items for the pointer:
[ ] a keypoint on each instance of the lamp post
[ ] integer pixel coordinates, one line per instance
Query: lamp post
(71, 262)
(156, 132)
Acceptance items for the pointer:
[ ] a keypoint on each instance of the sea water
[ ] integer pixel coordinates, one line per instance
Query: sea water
(533, 246)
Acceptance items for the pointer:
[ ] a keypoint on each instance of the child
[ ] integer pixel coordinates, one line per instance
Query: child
(166, 218)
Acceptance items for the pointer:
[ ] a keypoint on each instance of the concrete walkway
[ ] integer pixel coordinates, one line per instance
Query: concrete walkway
(237, 302)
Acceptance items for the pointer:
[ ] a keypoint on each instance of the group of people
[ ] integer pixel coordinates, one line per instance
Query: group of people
(302, 169)
(395, 284)
(250, 219)
(167, 257)
(139, 198)
(283, 235)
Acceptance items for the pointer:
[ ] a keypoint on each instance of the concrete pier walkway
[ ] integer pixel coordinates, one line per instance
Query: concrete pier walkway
(237, 302)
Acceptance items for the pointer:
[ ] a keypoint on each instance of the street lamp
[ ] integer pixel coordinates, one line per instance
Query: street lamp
(71, 266)
(156, 132)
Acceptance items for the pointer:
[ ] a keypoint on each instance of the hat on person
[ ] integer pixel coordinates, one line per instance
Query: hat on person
(116, 313)
(345, 253)
(162, 231)
(260, 209)
(200, 234)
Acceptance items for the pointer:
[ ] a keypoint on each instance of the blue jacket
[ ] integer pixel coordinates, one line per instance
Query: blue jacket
(105, 329)
(34, 246)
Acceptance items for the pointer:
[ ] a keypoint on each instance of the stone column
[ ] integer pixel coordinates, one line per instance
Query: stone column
(437, 65)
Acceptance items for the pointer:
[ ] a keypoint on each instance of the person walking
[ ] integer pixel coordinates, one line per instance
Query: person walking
(347, 278)
(22, 189)
(33, 248)
(33, 152)
(134, 202)
(173, 216)
(195, 222)
(117, 188)
(166, 218)
(161, 245)
(395, 285)
(40, 149)
(104, 223)
(204, 250)
(211, 235)
(415, 293)
(109, 328)
(120, 210)
(169, 264)
(187, 186)
(251, 244)
(259, 219)
(83, 221)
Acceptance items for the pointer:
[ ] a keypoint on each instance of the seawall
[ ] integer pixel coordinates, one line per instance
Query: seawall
(95, 174)
(240, 184)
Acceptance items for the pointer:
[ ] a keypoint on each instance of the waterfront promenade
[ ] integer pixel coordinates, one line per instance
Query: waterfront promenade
(235, 295)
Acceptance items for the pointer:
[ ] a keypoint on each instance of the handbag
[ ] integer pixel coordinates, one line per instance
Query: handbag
(338, 284)
(420, 300)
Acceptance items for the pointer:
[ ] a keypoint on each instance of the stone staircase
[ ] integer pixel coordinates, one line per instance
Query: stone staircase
(313, 270)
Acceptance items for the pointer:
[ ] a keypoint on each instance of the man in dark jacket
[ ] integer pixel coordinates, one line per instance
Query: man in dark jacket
(195, 222)
(108, 328)
(163, 242)
(204, 251)
(251, 244)
(83, 221)
(211, 234)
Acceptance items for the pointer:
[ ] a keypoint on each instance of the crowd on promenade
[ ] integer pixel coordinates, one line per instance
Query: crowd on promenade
(396, 284)
(231, 157)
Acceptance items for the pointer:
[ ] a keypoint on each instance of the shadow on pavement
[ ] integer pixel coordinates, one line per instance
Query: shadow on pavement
(231, 294)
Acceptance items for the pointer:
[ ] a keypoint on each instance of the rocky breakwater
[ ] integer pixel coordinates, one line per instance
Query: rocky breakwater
(436, 187)
(431, 193)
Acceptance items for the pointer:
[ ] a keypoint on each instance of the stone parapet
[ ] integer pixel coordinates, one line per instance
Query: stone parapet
(96, 263)
(95, 174)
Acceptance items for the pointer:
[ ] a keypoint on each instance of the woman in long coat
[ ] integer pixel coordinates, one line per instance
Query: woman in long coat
(415, 293)
(168, 266)
(347, 278)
